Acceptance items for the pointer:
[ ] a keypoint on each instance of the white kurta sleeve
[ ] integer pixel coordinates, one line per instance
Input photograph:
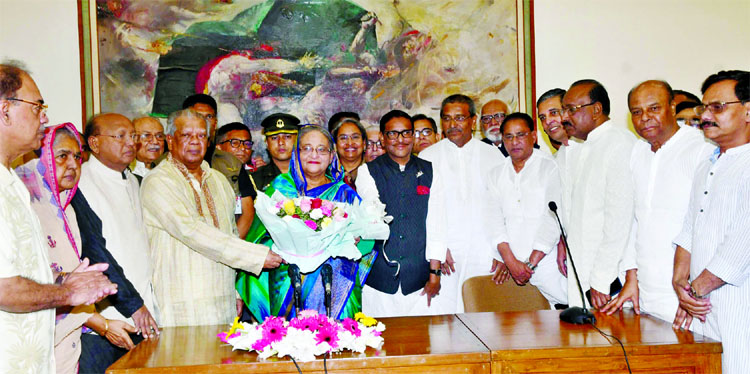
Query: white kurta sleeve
(548, 233)
(494, 212)
(731, 262)
(437, 243)
(366, 187)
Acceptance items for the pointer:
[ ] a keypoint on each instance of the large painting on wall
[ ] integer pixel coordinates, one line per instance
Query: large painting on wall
(310, 58)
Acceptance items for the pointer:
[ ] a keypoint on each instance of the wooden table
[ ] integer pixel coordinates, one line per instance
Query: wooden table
(439, 344)
(537, 342)
(514, 342)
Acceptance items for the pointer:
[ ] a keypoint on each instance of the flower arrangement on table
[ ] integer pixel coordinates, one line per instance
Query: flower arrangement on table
(307, 231)
(303, 338)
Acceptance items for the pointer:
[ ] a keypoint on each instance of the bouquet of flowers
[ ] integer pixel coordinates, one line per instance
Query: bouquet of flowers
(308, 231)
(303, 338)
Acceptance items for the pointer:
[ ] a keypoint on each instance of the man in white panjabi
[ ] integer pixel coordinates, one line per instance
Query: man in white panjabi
(600, 212)
(189, 214)
(663, 167)
(524, 228)
(457, 232)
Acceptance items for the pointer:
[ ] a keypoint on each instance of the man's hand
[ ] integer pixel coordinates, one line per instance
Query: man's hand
(629, 292)
(239, 304)
(695, 307)
(598, 299)
(535, 257)
(87, 284)
(449, 266)
(500, 271)
(682, 319)
(520, 272)
(145, 323)
(272, 260)
(562, 258)
(117, 334)
(431, 288)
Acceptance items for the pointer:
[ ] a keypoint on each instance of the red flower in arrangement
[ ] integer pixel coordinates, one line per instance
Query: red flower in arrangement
(316, 203)
(423, 190)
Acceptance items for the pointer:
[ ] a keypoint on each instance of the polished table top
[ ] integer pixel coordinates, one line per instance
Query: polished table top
(440, 340)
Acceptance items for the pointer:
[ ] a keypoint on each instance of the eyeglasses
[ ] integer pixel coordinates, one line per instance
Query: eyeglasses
(458, 119)
(235, 143)
(424, 132)
(147, 137)
(497, 116)
(694, 122)
(393, 134)
(715, 107)
(39, 108)
(308, 149)
(121, 137)
(519, 136)
(346, 137)
(552, 113)
(376, 144)
(573, 109)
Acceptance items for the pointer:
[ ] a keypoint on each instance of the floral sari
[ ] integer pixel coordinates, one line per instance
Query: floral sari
(58, 221)
(271, 293)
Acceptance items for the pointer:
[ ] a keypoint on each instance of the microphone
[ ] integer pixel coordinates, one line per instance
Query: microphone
(327, 274)
(575, 315)
(296, 280)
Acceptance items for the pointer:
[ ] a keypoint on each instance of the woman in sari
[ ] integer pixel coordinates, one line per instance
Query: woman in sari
(314, 171)
(52, 181)
(351, 142)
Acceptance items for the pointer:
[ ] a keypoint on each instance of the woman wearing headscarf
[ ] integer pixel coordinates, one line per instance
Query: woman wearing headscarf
(315, 172)
(52, 181)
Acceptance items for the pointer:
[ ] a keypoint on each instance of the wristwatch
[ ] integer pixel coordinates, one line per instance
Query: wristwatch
(436, 272)
(695, 294)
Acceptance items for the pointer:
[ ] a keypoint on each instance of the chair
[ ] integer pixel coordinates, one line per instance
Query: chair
(482, 295)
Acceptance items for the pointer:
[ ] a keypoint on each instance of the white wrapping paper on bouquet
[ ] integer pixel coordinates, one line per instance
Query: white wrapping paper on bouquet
(298, 244)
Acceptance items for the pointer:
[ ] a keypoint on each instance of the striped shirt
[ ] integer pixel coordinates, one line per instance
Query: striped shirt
(717, 234)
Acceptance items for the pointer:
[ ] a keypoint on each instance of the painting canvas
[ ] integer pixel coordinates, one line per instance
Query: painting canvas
(310, 58)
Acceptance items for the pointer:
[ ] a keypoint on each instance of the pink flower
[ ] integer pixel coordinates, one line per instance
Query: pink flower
(307, 313)
(224, 336)
(311, 224)
(305, 205)
(279, 204)
(352, 326)
(328, 334)
(328, 205)
(325, 210)
(274, 329)
(306, 323)
(261, 344)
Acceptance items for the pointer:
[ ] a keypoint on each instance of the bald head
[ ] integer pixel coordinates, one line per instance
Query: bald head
(653, 84)
(493, 113)
(110, 137)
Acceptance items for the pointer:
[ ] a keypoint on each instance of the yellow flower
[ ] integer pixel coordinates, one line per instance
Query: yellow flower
(289, 207)
(365, 320)
(326, 221)
(236, 325)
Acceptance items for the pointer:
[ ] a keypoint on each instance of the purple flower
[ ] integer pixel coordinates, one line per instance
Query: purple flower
(352, 326)
(328, 334)
(311, 224)
(274, 329)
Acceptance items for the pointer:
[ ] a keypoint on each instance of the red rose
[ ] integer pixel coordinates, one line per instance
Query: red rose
(295, 216)
(316, 203)
(423, 190)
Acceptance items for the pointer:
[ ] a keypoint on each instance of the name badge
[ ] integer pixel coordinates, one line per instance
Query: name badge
(238, 205)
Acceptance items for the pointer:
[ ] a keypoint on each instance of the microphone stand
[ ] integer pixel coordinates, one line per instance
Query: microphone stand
(327, 276)
(575, 315)
(294, 277)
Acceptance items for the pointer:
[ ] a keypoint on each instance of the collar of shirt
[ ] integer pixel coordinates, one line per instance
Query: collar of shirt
(6, 176)
(598, 132)
(105, 171)
(469, 145)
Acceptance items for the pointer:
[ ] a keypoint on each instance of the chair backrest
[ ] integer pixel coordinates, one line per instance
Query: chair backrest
(482, 295)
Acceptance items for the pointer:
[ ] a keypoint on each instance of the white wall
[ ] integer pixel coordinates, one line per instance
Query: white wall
(621, 43)
(43, 34)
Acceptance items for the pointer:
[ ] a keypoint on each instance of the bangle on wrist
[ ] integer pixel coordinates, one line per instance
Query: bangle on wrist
(528, 263)
(106, 326)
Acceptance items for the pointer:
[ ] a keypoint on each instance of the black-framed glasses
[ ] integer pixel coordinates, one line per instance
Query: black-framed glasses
(714, 107)
(573, 109)
(39, 108)
(235, 143)
(519, 136)
(424, 132)
(459, 118)
(552, 113)
(121, 137)
(393, 134)
(147, 137)
(499, 116)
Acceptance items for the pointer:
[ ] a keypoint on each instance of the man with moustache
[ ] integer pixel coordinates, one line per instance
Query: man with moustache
(492, 115)
(402, 182)
(280, 131)
(456, 218)
(112, 192)
(425, 132)
(600, 213)
(524, 229)
(206, 106)
(712, 260)
(374, 148)
(29, 291)
(149, 145)
(188, 210)
(663, 168)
